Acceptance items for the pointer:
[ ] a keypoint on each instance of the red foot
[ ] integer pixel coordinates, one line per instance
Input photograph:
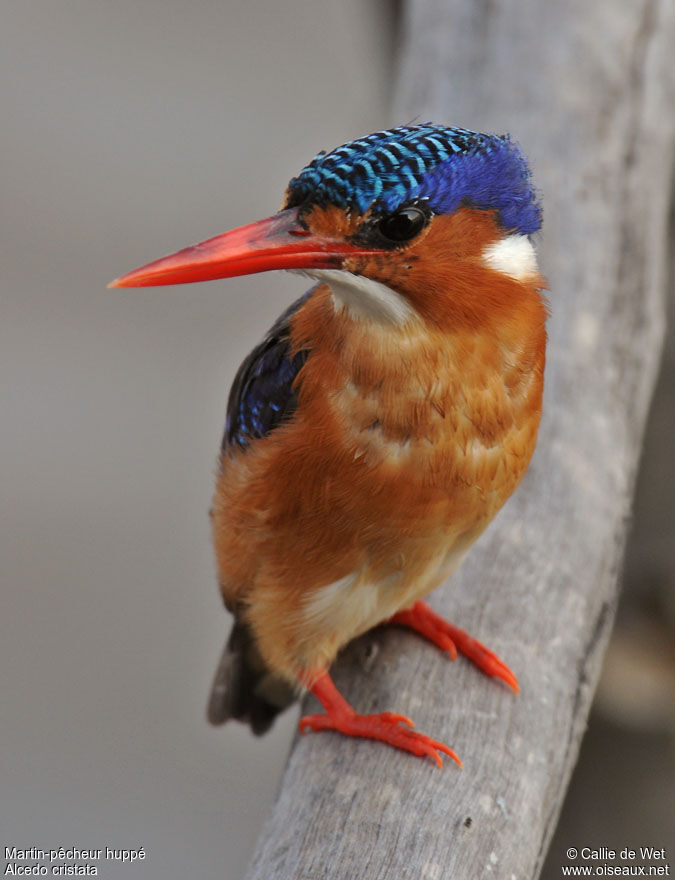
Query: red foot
(450, 638)
(385, 726)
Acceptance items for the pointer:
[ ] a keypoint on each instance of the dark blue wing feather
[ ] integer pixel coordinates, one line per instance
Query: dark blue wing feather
(262, 394)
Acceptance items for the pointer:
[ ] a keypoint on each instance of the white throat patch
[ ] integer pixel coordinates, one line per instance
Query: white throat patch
(364, 298)
(513, 256)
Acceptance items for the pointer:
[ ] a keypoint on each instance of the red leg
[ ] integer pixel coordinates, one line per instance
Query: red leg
(385, 726)
(450, 638)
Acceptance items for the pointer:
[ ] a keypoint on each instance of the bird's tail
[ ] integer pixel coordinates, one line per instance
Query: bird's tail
(243, 686)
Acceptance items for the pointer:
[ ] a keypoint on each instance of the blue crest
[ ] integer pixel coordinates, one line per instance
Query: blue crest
(448, 167)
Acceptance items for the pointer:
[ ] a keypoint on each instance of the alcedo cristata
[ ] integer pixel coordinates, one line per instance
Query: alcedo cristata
(384, 419)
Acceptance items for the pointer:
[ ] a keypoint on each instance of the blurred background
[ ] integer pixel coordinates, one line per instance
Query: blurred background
(130, 130)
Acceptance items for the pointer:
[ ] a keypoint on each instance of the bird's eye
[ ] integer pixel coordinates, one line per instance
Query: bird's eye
(403, 225)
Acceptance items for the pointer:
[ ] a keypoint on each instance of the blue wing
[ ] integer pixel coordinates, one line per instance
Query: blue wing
(262, 394)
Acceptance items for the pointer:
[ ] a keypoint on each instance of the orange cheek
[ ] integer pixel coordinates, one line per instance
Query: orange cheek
(443, 276)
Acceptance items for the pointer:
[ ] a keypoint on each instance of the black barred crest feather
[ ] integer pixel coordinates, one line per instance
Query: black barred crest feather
(447, 167)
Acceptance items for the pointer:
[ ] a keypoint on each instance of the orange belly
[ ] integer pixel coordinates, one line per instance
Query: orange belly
(400, 453)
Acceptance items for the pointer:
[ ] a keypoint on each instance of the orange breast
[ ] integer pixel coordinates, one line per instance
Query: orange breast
(405, 443)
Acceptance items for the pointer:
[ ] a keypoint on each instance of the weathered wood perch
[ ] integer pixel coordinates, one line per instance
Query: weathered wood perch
(589, 91)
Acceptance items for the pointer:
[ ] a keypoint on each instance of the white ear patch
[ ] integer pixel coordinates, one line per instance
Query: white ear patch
(363, 297)
(513, 256)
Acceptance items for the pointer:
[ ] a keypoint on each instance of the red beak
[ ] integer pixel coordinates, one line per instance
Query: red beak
(279, 242)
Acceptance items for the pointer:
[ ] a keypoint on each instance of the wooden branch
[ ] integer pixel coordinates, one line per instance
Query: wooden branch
(588, 89)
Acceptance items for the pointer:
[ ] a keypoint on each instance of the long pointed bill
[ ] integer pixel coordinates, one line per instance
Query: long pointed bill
(279, 242)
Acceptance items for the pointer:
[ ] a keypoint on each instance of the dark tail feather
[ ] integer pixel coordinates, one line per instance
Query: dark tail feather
(244, 688)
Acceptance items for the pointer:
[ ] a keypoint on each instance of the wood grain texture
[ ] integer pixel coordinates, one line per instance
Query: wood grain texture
(588, 89)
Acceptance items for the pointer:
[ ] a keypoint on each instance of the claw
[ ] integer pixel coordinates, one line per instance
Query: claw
(451, 638)
(396, 718)
(386, 727)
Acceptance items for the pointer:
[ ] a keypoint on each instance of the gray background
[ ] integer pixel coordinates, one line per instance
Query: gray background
(130, 129)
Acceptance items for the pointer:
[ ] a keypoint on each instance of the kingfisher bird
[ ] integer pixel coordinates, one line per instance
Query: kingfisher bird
(383, 420)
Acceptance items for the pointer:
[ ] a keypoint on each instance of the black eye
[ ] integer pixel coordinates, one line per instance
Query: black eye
(403, 225)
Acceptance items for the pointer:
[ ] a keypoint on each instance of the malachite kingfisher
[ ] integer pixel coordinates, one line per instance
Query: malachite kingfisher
(384, 419)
